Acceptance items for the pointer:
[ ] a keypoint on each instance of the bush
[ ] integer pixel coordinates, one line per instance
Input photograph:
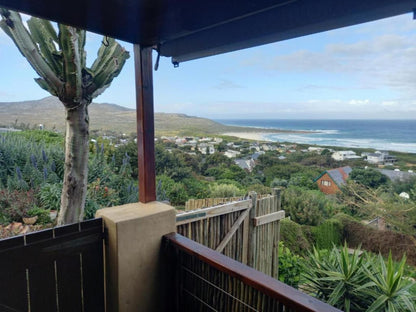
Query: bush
(307, 206)
(42, 214)
(293, 236)
(49, 196)
(368, 177)
(290, 266)
(15, 204)
(224, 191)
(328, 234)
(91, 208)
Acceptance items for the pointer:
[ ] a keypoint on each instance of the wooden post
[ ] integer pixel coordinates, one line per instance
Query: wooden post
(252, 231)
(278, 200)
(145, 123)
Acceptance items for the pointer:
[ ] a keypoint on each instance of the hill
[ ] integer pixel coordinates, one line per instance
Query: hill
(104, 117)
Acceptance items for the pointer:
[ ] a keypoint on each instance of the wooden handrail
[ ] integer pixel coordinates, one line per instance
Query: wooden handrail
(273, 288)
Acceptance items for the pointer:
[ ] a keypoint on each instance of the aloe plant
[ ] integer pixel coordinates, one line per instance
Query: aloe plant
(59, 58)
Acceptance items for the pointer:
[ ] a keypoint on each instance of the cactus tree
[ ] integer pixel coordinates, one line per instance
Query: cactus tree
(59, 58)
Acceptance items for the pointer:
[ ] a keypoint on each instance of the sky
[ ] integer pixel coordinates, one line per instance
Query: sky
(366, 71)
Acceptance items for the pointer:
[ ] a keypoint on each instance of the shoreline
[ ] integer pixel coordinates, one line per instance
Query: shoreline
(254, 136)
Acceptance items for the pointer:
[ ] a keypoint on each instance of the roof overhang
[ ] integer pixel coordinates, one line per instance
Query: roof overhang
(186, 30)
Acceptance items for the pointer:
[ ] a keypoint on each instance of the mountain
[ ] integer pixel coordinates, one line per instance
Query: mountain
(104, 117)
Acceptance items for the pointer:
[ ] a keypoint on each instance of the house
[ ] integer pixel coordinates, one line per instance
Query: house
(380, 158)
(231, 153)
(330, 181)
(246, 164)
(397, 175)
(205, 148)
(315, 149)
(257, 154)
(344, 155)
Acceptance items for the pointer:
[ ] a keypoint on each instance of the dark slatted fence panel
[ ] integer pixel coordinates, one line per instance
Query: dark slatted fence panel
(209, 281)
(58, 269)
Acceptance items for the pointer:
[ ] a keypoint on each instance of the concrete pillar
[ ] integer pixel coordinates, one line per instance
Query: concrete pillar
(136, 269)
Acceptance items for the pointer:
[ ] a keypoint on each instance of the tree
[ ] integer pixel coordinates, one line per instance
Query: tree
(368, 177)
(59, 58)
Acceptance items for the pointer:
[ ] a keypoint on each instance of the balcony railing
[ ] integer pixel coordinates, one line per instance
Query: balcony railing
(206, 280)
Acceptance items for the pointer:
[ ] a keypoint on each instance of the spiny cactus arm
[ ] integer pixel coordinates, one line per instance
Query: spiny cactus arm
(12, 25)
(82, 35)
(45, 36)
(110, 61)
(70, 46)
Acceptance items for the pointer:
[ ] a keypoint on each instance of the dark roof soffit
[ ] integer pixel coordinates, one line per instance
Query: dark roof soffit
(186, 30)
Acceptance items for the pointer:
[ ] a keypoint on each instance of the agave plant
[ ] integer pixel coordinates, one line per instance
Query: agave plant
(59, 58)
(334, 276)
(389, 288)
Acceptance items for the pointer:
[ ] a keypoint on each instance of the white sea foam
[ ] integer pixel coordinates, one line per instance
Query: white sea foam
(346, 142)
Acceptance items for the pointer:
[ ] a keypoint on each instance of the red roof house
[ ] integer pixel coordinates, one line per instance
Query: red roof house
(330, 181)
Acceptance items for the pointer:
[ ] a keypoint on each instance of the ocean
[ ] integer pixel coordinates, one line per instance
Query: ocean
(393, 135)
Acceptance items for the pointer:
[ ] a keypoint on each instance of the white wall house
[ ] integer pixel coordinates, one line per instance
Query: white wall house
(380, 157)
(343, 155)
(231, 153)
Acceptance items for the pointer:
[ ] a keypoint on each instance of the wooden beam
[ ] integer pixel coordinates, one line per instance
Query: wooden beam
(205, 213)
(145, 123)
(271, 217)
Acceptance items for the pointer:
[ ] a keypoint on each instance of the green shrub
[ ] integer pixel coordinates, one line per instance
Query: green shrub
(328, 233)
(42, 214)
(308, 206)
(91, 208)
(290, 266)
(49, 196)
(15, 204)
(293, 236)
(224, 191)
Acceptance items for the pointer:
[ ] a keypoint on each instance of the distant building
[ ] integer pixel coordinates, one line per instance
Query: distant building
(398, 176)
(246, 164)
(257, 154)
(380, 158)
(315, 149)
(330, 181)
(205, 148)
(344, 155)
(231, 153)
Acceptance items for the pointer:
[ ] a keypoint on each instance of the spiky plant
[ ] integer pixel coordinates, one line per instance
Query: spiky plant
(59, 58)
(336, 275)
(390, 289)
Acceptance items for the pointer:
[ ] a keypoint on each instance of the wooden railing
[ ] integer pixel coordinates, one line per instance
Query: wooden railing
(193, 204)
(58, 269)
(206, 280)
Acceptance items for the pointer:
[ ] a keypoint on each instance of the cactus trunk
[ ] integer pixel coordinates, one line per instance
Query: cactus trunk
(76, 165)
(60, 60)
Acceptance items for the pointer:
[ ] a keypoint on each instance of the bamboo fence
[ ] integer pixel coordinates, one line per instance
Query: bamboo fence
(245, 230)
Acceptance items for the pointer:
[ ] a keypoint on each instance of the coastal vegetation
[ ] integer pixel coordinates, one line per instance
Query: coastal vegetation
(31, 176)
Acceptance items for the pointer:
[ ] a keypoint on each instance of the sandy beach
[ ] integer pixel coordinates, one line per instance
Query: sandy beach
(256, 136)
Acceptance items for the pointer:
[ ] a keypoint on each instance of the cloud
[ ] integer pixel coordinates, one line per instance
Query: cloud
(359, 102)
(382, 61)
(227, 85)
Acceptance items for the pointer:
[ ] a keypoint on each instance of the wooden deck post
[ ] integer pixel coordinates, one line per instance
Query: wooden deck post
(145, 123)
(252, 232)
